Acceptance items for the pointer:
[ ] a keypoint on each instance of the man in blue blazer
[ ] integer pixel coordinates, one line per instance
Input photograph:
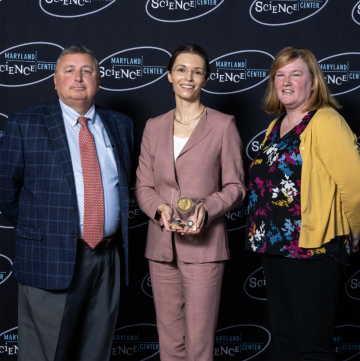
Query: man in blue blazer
(64, 186)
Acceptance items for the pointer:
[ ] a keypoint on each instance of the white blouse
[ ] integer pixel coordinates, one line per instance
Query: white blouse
(179, 144)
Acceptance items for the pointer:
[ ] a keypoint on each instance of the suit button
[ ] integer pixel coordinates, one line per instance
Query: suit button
(73, 235)
(74, 208)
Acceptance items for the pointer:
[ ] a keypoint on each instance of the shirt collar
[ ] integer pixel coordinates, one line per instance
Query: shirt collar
(72, 115)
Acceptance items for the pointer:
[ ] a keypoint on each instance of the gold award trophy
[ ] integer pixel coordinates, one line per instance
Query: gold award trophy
(183, 209)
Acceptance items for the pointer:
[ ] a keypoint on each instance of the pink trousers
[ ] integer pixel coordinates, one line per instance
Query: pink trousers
(187, 299)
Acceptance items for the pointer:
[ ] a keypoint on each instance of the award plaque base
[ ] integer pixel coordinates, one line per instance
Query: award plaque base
(183, 209)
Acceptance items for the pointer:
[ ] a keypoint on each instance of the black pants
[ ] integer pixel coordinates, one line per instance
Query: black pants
(303, 299)
(77, 323)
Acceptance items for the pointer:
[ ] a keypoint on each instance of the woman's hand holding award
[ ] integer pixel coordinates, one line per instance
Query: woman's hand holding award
(184, 210)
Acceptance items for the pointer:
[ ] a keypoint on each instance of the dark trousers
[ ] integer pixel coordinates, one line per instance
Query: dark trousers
(303, 299)
(77, 323)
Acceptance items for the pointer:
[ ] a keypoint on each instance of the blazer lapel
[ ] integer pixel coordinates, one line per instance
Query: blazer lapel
(103, 114)
(200, 132)
(166, 148)
(112, 129)
(56, 127)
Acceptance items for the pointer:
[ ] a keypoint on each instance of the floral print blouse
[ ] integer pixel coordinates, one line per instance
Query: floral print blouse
(274, 219)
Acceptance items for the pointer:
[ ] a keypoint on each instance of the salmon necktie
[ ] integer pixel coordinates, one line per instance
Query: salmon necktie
(93, 227)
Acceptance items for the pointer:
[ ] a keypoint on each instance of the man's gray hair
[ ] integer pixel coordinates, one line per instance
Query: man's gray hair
(77, 49)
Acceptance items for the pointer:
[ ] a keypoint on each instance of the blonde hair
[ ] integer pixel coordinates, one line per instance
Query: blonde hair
(320, 95)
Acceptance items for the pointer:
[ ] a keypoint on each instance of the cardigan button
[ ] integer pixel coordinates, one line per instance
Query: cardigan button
(302, 148)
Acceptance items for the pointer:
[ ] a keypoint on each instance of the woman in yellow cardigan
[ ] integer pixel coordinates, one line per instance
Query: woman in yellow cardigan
(304, 206)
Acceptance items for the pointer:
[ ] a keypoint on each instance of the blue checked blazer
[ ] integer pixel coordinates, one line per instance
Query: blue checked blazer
(38, 194)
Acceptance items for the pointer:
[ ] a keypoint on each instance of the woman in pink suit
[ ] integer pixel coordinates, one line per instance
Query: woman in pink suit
(192, 148)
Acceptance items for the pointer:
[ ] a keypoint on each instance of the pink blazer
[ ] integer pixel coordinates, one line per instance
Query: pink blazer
(209, 163)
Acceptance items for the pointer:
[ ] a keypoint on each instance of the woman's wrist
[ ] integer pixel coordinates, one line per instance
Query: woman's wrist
(160, 208)
(202, 204)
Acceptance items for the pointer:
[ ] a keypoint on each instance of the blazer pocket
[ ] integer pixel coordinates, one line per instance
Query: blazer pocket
(31, 233)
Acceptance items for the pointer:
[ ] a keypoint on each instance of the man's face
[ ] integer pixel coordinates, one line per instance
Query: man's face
(77, 80)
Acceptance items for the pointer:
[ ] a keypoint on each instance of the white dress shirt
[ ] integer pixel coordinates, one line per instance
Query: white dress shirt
(108, 169)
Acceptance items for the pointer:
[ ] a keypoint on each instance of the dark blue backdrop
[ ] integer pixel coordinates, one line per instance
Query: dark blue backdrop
(133, 41)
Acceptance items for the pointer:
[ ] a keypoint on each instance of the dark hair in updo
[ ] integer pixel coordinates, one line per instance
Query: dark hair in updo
(191, 49)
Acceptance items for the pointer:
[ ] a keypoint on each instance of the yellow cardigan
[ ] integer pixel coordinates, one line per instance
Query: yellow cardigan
(330, 179)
